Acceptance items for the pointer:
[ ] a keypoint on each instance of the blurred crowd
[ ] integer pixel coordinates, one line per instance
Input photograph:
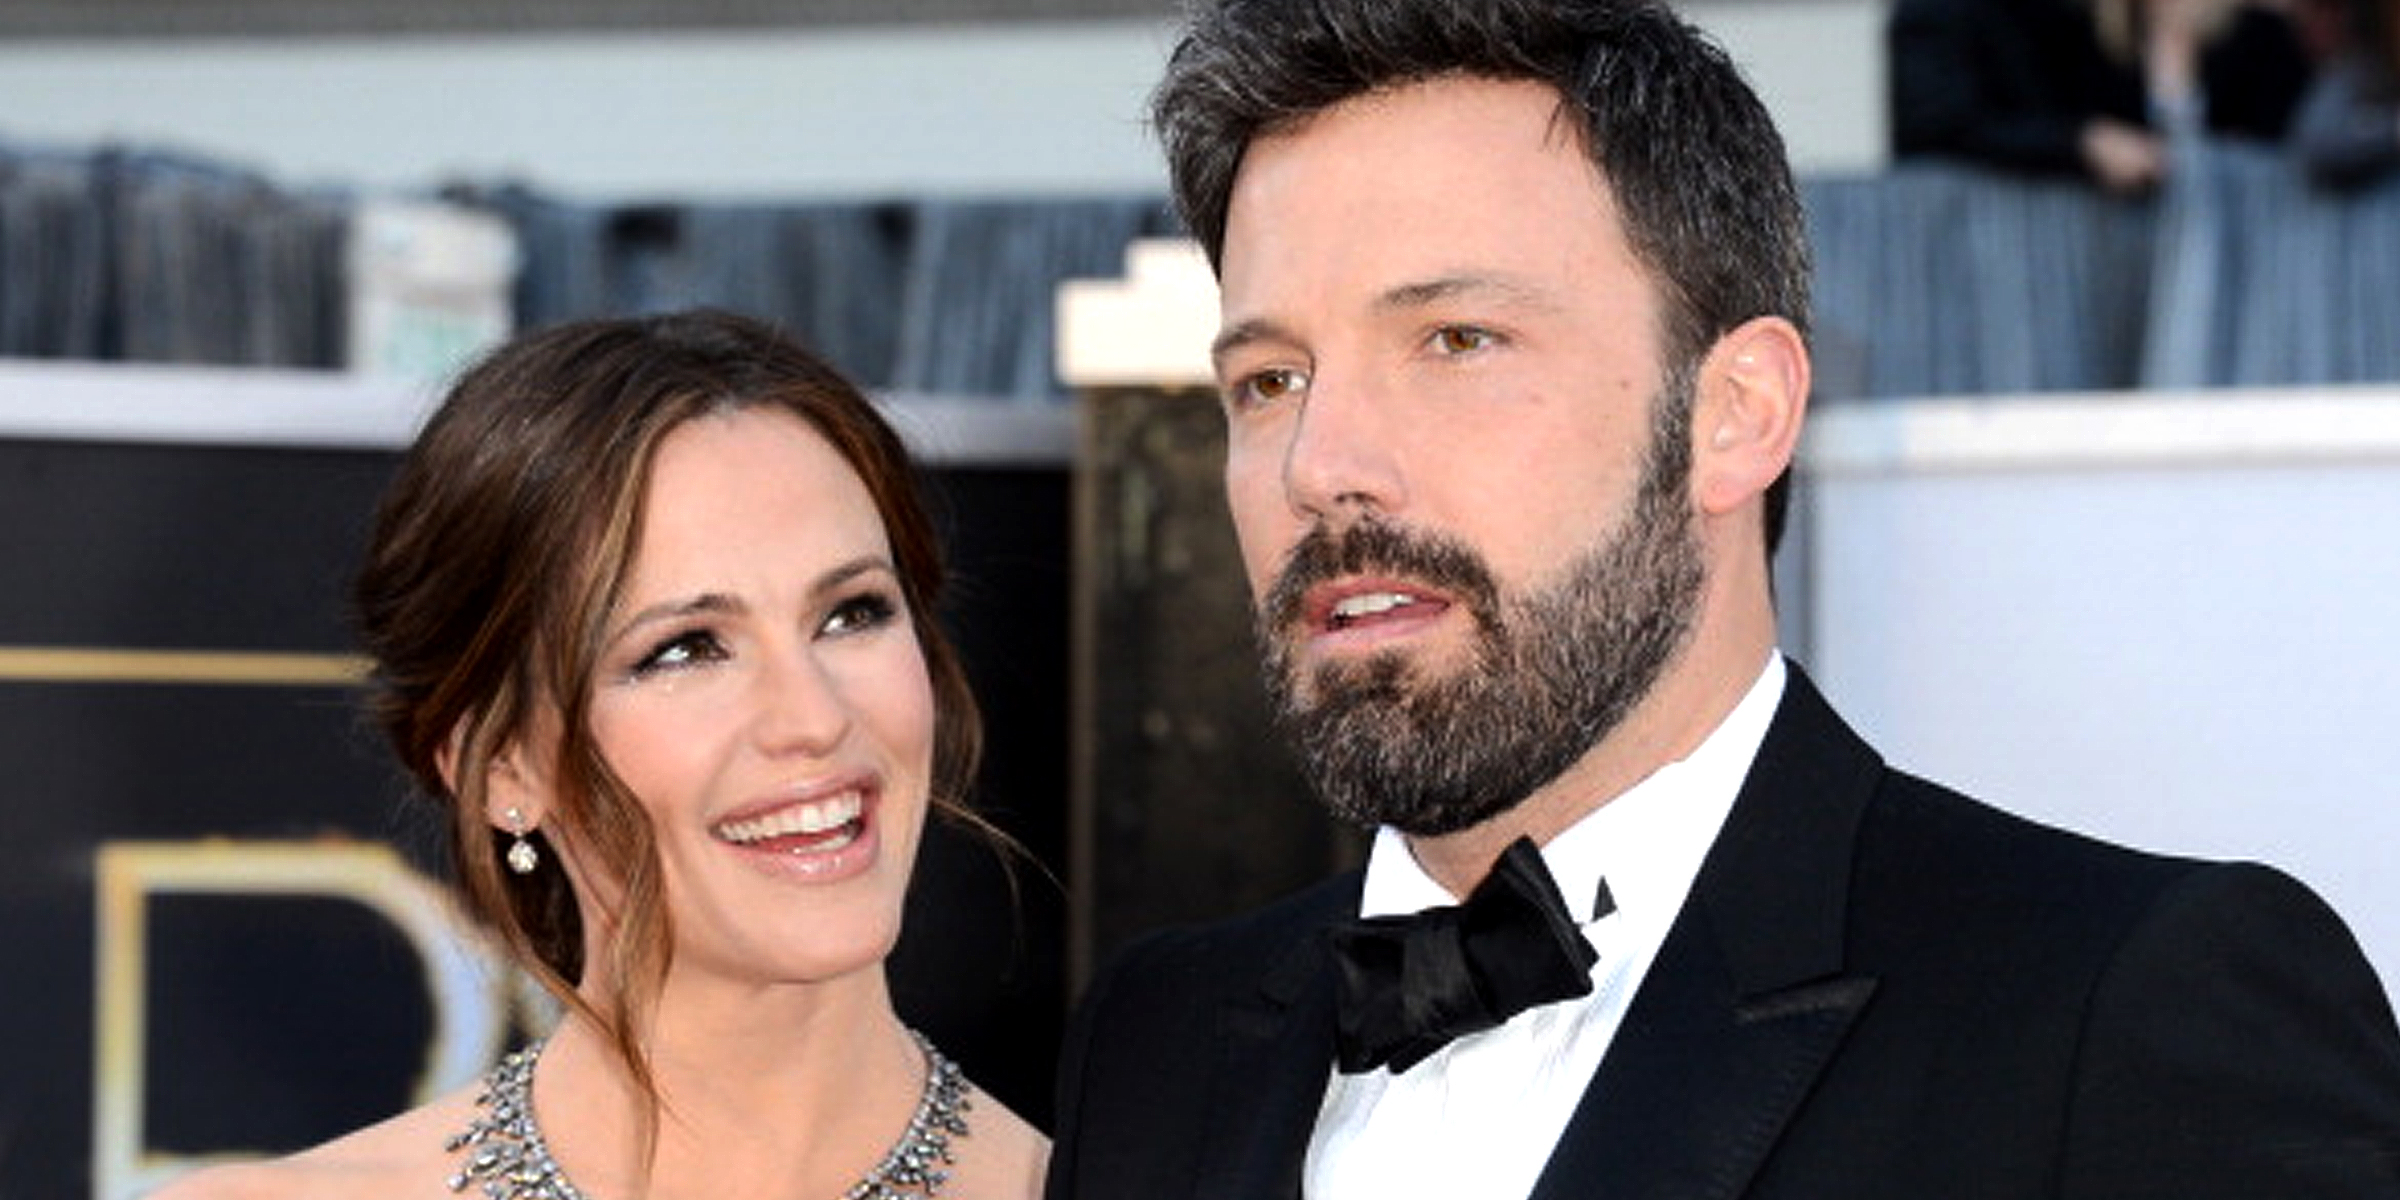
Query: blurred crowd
(2105, 89)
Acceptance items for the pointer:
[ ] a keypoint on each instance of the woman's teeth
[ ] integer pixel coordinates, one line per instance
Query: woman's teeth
(799, 820)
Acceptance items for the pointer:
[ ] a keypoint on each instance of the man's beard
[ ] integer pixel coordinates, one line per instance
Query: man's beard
(1551, 674)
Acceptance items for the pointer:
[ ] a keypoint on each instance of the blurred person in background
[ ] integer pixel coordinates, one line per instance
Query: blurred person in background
(2347, 132)
(2089, 88)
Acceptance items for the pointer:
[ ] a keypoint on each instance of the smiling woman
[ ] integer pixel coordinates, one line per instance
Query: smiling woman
(767, 705)
(650, 608)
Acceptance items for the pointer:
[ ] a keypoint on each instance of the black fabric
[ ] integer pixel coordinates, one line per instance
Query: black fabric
(1877, 990)
(1413, 984)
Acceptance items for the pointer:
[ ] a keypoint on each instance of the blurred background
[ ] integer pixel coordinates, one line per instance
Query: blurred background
(2099, 517)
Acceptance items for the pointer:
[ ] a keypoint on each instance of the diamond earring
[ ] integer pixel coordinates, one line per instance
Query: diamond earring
(522, 857)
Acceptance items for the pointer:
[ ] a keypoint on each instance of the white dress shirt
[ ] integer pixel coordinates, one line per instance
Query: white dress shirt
(1479, 1117)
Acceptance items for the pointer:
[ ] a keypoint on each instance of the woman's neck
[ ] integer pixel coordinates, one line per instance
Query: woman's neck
(784, 1091)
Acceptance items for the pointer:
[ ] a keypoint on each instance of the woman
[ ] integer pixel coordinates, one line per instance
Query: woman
(651, 604)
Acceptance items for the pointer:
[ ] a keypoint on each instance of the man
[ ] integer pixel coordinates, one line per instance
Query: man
(1513, 361)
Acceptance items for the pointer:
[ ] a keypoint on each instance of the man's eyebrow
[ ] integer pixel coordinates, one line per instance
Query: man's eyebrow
(1246, 333)
(1398, 298)
(1420, 293)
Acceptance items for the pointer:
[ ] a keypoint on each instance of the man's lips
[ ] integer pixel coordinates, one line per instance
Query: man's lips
(1372, 583)
(1359, 606)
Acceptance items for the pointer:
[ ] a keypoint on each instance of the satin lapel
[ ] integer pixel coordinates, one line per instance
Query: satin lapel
(1747, 1000)
(1275, 1053)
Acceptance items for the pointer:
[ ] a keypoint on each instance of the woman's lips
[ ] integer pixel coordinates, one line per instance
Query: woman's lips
(805, 827)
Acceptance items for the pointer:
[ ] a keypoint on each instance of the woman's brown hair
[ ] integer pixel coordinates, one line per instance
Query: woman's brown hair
(498, 553)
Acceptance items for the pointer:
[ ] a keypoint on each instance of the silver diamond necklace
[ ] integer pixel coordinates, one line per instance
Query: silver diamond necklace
(508, 1159)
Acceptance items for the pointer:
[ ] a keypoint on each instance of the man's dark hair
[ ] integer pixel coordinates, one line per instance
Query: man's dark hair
(1688, 151)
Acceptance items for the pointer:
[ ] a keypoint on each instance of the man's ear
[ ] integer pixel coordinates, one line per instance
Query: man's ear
(1750, 398)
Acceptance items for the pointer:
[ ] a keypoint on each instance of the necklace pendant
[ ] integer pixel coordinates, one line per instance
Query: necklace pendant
(507, 1158)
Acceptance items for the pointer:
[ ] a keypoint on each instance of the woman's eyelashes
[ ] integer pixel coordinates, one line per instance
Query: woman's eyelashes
(684, 649)
(859, 613)
(680, 651)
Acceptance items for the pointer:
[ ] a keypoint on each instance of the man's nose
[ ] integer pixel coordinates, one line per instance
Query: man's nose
(1344, 459)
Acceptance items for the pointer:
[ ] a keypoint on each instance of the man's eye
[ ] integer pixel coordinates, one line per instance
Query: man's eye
(681, 651)
(1268, 387)
(1462, 339)
(861, 613)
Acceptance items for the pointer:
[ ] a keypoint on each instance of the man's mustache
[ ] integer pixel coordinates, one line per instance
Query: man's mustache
(1441, 563)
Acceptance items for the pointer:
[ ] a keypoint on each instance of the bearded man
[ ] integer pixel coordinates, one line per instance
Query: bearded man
(1513, 359)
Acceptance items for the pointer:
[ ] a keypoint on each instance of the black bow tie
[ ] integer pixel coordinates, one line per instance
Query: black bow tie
(1411, 984)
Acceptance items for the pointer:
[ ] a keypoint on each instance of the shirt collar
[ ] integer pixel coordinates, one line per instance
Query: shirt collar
(1647, 843)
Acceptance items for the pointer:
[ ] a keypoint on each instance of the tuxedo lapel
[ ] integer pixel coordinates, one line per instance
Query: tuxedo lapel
(1275, 1053)
(1697, 1084)
(1747, 1000)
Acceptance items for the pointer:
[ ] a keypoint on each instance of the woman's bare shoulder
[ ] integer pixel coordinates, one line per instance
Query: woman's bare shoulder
(402, 1156)
(1002, 1158)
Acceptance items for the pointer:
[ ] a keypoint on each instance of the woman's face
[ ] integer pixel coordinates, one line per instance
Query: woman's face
(761, 691)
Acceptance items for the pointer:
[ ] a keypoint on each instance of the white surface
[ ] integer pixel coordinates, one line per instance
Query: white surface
(129, 402)
(429, 287)
(249, 407)
(1033, 108)
(1819, 65)
(754, 115)
(1150, 328)
(2166, 621)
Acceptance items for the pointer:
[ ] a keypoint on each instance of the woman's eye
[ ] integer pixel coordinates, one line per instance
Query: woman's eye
(1267, 387)
(680, 651)
(860, 613)
(1462, 339)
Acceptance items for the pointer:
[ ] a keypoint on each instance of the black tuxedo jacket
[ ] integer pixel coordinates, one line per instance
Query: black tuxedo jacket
(1877, 988)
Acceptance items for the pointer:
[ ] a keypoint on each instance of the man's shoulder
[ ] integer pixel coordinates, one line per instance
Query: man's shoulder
(1247, 943)
(1153, 1000)
(1813, 756)
(1816, 784)
(1920, 817)
(1930, 857)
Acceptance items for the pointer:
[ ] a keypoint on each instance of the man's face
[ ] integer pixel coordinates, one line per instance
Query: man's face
(1441, 370)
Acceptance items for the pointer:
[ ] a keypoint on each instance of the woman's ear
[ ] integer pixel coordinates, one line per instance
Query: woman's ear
(1746, 415)
(516, 793)
(446, 759)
